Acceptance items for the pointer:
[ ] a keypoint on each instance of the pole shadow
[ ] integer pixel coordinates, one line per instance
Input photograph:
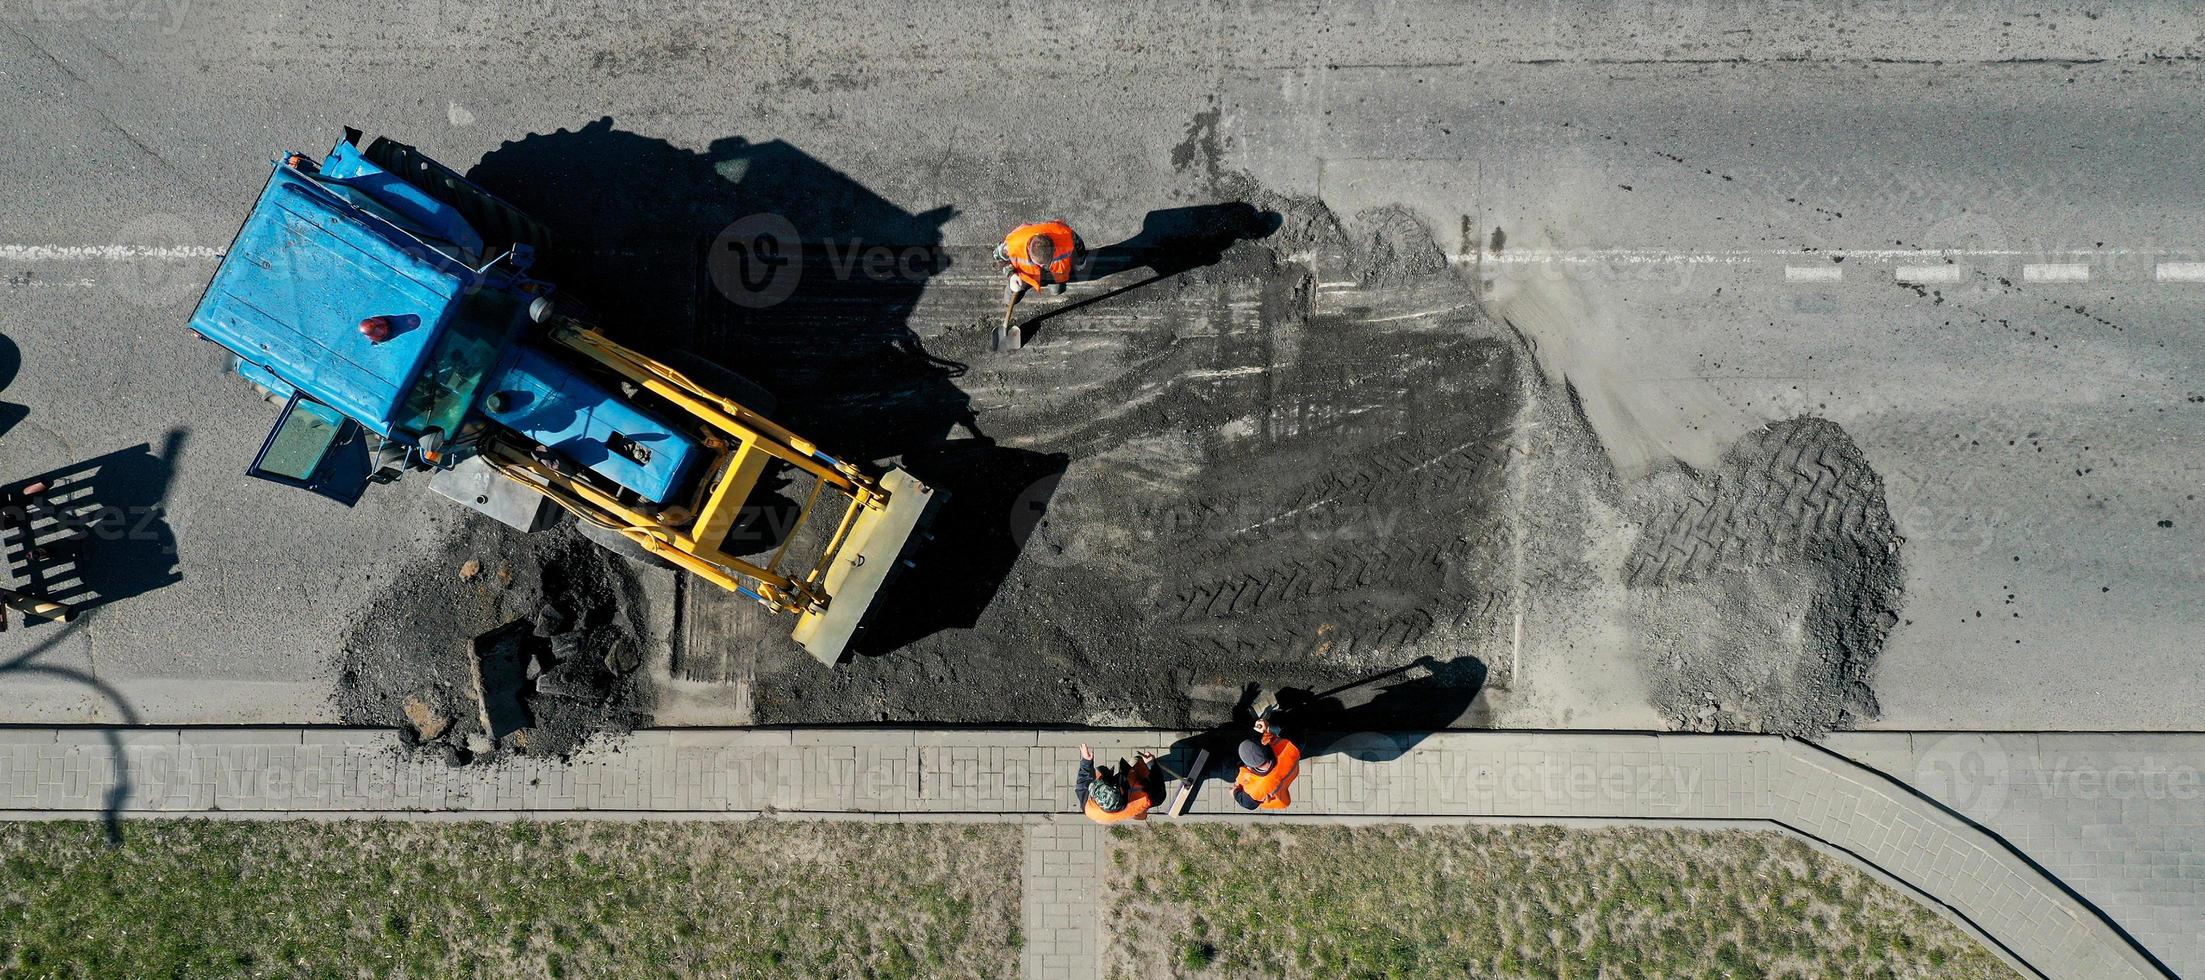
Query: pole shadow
(119, 792)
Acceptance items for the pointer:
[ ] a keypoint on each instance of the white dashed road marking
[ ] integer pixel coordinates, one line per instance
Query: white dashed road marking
(1947, 271)
(108, 253)
(2055, 272)
(1928, 273)
(1814, 273)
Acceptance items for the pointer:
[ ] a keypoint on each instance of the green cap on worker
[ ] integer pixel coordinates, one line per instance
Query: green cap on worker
(1106, 794)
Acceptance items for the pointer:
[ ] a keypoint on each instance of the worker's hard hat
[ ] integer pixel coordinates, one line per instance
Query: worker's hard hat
(1256, 755)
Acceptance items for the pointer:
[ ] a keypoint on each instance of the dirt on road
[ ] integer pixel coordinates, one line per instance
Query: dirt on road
(1303, 465)
(539, 637)
(1268, 445)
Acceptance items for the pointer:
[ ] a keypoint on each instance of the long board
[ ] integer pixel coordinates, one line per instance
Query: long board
(1186, 784)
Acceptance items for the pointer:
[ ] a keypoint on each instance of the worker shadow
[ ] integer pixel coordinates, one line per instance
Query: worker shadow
(775, 266)
(1171, 241)
(1378, 718)
(1381, 717)
(97, 533)
(1176, 240)
(1220, 741)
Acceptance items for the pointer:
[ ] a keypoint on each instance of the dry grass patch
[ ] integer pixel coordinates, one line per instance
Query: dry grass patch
(1317, 901)
(579, 899)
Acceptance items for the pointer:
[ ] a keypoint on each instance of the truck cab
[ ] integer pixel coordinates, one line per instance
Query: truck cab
(365, 305)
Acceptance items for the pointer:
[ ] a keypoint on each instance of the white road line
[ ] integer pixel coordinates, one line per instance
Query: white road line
(2055, 272)
(2180, 272)
(1927, 273)
(1420, 313)
(109, 253)
(1814, 273)
(1238, 372)
(1615, 256)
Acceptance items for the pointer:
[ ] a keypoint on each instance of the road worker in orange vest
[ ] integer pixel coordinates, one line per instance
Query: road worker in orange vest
(1125, 794)
(1268, 765)
(1044, 255)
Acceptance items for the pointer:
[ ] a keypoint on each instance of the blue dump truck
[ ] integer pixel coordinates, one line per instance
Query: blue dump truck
(385, 302)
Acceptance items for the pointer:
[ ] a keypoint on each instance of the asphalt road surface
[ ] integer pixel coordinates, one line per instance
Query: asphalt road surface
(1966, 232)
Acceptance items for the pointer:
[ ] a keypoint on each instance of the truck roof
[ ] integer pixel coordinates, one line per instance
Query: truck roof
(309, 264)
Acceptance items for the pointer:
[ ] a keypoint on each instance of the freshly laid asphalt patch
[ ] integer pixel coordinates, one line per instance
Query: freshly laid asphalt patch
(1196, 483)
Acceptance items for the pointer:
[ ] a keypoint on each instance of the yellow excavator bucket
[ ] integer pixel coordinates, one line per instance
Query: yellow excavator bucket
(855, 573)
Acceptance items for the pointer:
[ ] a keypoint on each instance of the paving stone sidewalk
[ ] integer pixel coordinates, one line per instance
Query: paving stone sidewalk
(1027, 775)
(2117, 816)
(1061, 910)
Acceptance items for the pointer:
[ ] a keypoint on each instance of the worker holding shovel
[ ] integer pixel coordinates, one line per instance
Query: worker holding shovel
(1042, 255)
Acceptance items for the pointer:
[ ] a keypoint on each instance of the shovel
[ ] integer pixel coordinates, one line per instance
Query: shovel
(1006, 336)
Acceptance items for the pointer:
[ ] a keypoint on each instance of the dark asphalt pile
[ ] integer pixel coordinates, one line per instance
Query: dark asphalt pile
(552, 623)
(1201, 481)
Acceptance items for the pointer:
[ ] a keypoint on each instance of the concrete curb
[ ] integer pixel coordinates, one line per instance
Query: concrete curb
(1024, 775)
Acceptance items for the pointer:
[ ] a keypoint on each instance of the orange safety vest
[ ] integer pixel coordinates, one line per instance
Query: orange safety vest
(1269, 789)
(1136, 806)
(1059, 269)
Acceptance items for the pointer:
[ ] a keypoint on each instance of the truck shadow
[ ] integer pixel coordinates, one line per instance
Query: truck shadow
(96, 533)
(768, 262)
(996, 497)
